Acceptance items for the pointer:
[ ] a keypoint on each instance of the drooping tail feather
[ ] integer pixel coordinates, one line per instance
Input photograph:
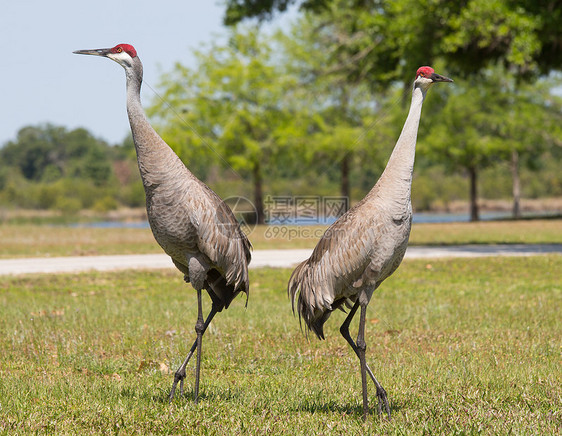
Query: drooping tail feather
(300, 284)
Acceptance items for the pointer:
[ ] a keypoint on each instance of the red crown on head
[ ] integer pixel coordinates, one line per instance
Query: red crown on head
(127, 48)
(424, 72)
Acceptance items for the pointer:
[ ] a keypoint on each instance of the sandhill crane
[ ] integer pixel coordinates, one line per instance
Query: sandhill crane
(364, 246)
(189, 221)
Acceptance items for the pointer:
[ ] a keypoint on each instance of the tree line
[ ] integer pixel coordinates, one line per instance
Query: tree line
(51, 167)
(316, 110)
(378, 42)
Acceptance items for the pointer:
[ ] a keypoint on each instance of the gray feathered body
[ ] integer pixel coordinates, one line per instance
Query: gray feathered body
(190, 222)
(366, 245)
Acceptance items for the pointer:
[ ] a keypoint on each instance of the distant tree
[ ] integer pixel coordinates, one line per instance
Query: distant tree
(336, 110)
(234, 104)
(463, 140)
(531, 125)
(49, 166)
(379, 42)
(486, 121)
(48, 152)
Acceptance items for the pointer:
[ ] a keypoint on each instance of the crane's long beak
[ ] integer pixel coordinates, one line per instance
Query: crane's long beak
(95, 52)
(439, 78)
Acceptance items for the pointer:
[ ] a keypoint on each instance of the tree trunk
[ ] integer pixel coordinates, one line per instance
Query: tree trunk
(516, 184)
(258, 193)
(474, 213)
(345, 189)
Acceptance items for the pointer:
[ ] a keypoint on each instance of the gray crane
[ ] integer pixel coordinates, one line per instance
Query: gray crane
(189, 221)
(364, 246)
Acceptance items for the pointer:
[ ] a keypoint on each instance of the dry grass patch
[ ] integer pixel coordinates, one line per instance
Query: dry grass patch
(28, 240)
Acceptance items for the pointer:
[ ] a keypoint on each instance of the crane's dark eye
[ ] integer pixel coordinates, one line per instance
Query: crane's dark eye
(119, 50)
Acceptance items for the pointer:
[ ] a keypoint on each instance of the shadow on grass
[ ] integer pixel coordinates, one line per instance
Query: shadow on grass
(355, 409)
(311, 405)
(163, 396)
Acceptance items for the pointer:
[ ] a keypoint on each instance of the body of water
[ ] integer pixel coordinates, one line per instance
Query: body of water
(419, 218)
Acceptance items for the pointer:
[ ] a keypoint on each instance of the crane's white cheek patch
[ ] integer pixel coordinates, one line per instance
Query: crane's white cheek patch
(120, 58)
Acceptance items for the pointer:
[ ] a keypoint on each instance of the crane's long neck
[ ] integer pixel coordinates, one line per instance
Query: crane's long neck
(396, 180)
(155, 158)
(143, 134)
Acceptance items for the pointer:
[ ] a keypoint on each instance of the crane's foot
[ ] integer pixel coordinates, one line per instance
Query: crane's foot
(383, 402)
(178, 377)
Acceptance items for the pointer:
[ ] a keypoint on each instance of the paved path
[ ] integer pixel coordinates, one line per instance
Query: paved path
(260, 258)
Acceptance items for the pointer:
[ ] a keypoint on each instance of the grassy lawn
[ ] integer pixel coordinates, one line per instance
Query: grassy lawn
(40, 240)
(461, 346)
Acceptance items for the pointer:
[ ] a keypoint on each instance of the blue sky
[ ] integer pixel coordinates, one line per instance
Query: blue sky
(43, 81)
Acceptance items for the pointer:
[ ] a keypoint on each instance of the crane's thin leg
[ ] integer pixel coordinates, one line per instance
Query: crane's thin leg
(381, 393)
(344, 330)
(199, 329)
(361, 348)
(180, 373)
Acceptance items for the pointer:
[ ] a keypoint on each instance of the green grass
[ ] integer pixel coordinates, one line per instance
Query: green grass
(461, 346)
(21, 240)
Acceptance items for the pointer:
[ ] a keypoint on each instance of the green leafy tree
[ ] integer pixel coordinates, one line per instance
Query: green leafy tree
(49, 166)
(463, 140)
(387, 38)
(531, 125)
(48, 152)
(336, 110)
(485, 122)
(382, 41)
(235, 104)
